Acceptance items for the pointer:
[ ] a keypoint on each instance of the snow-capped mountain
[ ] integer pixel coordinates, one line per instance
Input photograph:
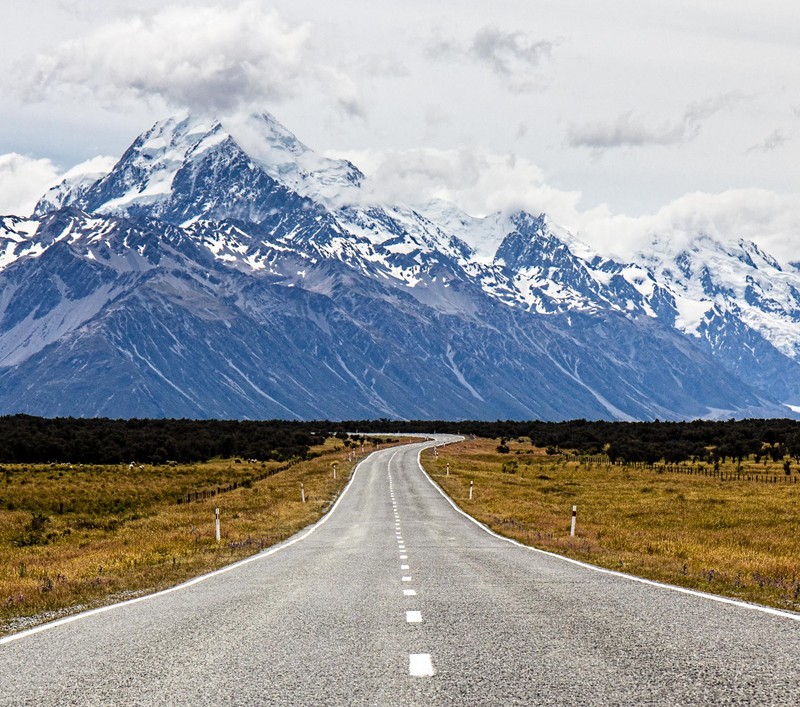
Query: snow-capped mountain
(221, 268)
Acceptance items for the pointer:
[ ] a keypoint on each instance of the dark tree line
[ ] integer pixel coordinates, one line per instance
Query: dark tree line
(26, 439)
(629, 441)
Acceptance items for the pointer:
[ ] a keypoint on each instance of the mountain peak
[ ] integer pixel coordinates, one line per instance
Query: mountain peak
(291, 162)
(144, 177)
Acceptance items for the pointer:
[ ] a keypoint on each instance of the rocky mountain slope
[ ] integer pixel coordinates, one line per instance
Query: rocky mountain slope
(226, 270)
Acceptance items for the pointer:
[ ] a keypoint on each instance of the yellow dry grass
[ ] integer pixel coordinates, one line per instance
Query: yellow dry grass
(736, 538)
(115, 532)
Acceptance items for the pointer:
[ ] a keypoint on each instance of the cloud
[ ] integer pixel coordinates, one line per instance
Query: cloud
(629, 131)
(211, 59)
(478, 181)
(773, 141)
(508, 52)
(23, 180)
(511, 55)
(482, 182)
(765, 217)
(383, 65)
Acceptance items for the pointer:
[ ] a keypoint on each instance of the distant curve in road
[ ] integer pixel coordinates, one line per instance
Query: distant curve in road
(397, 598)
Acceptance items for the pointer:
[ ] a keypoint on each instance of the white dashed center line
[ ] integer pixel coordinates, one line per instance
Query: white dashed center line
(414, 617)
(406, 579)
(420, 665)
(403, 557)
(403, 567)
(409, 592)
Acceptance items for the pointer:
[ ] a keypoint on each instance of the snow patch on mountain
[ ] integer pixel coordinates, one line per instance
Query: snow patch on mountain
(292, 163)
(710, 276)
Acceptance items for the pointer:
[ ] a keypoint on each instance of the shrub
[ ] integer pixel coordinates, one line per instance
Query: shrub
(510, 467)
(33, 532)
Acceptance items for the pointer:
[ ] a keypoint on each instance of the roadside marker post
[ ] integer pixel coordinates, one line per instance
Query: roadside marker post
(334, 471)
(302, 492)
(447, 469)
(572, 527)
(470, 490)
(216, 524)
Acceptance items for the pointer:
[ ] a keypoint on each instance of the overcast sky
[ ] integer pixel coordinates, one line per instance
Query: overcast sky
(620, 119)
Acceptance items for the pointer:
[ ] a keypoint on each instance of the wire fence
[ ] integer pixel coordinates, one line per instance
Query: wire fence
(687, 469)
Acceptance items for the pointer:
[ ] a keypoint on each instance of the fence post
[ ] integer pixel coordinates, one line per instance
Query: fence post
(572, 526)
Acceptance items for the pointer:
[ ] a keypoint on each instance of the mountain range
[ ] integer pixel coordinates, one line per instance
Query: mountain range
(224, 269)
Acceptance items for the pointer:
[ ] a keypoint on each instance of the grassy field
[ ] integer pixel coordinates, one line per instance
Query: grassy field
(734, 537)
(74, 537)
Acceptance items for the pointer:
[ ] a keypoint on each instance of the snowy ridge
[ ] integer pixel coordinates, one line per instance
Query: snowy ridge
(254, 248)
(710, 279)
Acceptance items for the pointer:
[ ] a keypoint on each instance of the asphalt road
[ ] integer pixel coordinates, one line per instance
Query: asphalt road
(396, 598)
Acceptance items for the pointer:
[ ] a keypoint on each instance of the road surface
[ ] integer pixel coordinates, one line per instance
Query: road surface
(396, 598)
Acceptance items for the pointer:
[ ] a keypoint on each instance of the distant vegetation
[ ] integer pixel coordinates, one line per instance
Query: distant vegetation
(673, 442)
(34, 440)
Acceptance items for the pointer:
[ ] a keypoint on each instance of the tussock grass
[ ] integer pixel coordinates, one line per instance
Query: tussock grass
(74, 537)
(736, 538)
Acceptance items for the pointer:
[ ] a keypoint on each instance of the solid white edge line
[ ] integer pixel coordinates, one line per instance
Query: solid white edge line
(602, 570)
(196, 580)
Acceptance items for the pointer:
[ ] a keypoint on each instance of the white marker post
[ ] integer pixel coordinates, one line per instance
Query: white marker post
(470, 490)
(334, 471)
(447, 469)
(572, 528)
(302, 492)
(216, 524)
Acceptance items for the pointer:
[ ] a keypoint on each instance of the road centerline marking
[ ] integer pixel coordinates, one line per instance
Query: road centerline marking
(414, 617)
(420, 665)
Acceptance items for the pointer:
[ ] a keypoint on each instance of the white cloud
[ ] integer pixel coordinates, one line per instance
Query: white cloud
(23, 180)
(478, 181)
(94, 167)
(769, 219)
(628, 130)
(513, 55)
(211, 59)
(481, 182)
